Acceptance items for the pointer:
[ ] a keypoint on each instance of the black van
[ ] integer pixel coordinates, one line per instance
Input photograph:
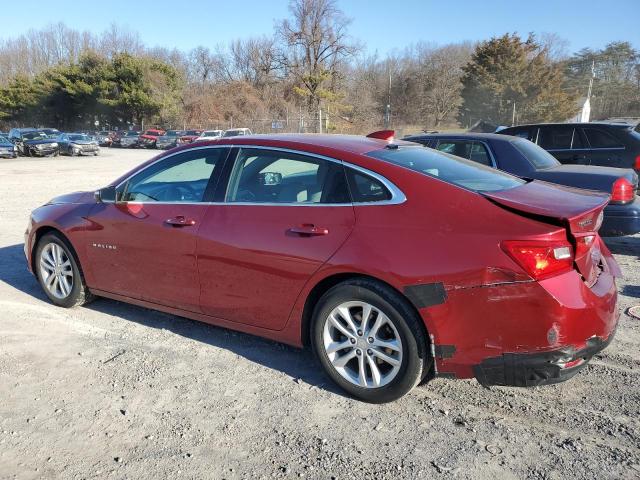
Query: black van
(597, 143)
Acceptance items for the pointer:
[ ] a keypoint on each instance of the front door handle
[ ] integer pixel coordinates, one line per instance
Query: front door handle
(309, 230)
(180, 221)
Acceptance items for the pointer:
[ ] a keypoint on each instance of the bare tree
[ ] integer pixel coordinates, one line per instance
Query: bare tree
(315, 44)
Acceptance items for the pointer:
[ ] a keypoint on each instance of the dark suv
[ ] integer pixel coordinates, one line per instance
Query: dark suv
(606, 144)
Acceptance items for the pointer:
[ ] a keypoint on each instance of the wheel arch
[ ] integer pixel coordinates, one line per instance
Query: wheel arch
(41, 232)
(322, 286)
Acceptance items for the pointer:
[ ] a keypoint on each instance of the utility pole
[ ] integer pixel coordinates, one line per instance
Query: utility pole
(513, 116)
(387, 111)
(319, 119)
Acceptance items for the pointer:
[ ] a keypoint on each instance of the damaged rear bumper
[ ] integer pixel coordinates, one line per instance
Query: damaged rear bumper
(534, 369)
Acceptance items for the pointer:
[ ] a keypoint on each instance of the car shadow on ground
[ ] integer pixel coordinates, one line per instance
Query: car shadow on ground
(629, 245)
(300, 365)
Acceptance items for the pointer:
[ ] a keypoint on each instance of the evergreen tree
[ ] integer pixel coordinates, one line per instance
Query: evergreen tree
(507, 70)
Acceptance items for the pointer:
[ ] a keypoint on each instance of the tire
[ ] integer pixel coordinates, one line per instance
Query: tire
(401, 332)
(76, 292)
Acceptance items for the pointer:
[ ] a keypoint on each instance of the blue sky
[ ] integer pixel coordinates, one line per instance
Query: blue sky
(382, 26)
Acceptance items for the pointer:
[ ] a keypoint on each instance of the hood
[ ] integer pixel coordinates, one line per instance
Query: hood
(6, 145)
(149, 137)
(586, 176)
(83, 142)
(579, 211)
(75, 197)
(40, 142)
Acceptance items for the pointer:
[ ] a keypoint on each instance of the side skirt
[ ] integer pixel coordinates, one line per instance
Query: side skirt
(201, 317)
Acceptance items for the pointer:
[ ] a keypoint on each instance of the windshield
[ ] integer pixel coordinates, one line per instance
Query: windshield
(172, 133)
(192, 132)
(449, 168)
(233, 133)
(131, 134)
(213, 133)
(35, 136)
(78, 136)
(537, 156)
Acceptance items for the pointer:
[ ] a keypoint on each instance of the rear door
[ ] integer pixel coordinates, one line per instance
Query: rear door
(565, 143)
(282, 215)
(604, 148)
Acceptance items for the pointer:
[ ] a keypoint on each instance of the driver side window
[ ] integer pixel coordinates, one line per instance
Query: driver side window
(184, 177)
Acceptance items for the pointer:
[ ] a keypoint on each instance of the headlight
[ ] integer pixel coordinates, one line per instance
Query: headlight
(54, 144)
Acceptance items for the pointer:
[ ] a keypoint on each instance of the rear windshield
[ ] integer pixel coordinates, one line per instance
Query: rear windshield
(537, 156)
(449, 168)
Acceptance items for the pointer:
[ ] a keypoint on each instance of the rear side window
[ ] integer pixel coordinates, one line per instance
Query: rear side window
(599, 138)
(365, 188)
(273, 176)
(451, 169)
(471, 150)
(556, 137)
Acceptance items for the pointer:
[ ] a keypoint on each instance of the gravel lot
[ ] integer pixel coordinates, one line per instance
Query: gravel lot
(117, 391)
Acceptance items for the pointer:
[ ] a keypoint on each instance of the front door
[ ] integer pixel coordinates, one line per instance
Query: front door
(143, 246)
(284, 214)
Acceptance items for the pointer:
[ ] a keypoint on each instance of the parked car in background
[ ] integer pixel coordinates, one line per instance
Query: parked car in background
(210, 135)
(189, 136)
(169, 139)
(523, 158)
(78, 144)
(33, 142)
(148, 138)
(104, 138)
(606, 144)
(129, 139)
(236, 132)
(412, 263)
(7, 149)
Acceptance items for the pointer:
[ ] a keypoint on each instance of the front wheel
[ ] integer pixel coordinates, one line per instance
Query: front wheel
(369, 340)
(59, 273)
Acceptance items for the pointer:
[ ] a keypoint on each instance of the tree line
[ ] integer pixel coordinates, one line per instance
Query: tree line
(309, 75)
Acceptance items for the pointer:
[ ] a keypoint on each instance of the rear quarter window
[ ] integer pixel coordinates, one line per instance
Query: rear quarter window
(449, 168)
(599, 138)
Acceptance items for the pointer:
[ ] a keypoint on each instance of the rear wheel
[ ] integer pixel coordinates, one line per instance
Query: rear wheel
(59, 273)
(369, 340)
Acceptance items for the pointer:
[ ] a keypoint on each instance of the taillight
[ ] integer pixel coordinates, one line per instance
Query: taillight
(636, 164)
(540, 259)
(622, 191)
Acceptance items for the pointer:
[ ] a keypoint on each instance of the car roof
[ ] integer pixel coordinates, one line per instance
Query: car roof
(487, 136)
(358, 144)
(573, 124)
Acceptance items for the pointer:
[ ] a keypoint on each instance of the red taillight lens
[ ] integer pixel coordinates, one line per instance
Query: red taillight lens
(622, 191)
(540, 259)
(636, 164)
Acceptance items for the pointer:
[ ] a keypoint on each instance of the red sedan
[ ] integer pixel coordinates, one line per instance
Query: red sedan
(394, 262)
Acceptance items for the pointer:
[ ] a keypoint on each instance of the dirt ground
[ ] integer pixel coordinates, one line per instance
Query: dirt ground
(117, 391)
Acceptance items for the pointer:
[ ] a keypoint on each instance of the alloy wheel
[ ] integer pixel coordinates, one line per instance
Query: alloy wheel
(362, 344)
(56, 270)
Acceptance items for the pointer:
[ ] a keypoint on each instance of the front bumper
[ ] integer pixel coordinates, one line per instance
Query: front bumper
(621, 219)
(535, 369)
(42, 152)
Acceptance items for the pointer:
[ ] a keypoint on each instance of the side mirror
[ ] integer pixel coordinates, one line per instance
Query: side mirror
(106, 195)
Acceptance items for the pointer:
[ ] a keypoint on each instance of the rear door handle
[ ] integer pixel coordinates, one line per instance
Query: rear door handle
(309, 230)
(180, 221)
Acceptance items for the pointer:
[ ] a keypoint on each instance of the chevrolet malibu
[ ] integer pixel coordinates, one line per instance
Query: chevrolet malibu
(393, 262)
